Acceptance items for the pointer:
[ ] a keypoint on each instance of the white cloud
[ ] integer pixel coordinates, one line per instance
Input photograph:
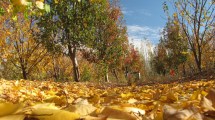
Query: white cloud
(141, 12)
(145, 12)
(138, 33)
(127, 12)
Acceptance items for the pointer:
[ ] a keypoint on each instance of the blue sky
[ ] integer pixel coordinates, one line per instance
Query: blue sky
(144, 19)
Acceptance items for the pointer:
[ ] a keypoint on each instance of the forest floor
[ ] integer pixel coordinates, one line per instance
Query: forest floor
(48, 100)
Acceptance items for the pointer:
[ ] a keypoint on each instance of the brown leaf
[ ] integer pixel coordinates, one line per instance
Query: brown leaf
(211, 96)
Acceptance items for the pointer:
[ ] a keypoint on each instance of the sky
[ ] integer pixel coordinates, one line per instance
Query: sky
(144, 19)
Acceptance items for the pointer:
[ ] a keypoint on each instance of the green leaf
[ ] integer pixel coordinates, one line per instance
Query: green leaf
(14, 18)
(1, 11)
(47, 8)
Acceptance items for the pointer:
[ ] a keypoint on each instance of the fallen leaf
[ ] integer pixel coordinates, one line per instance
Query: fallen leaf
(8, 108)
(117, 114)
(13, 117)
(211, 96)
(53, 114)
(81, 109)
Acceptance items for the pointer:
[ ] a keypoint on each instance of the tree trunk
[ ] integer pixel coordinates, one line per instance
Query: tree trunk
(72, 53)
(198, 60)
(184, 70)
(115, 75)
(24, 73)
(106, 77)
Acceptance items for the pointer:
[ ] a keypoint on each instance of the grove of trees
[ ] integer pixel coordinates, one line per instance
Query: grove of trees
(78, 40)
(187, 42)
(86, 40)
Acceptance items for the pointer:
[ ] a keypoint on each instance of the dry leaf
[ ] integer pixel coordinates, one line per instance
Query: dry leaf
(13, 117)
(8, 108)
(117, 114)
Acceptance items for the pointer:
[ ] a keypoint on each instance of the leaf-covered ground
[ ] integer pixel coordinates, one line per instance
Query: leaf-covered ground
(47, 100)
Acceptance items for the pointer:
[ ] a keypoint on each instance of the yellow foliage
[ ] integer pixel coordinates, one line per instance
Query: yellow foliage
(183, 101)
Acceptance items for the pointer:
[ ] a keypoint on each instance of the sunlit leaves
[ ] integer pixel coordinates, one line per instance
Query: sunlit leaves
(40, 4)
(182, 101)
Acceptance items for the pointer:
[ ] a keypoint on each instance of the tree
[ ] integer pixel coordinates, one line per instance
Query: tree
(69, 27)
(159, 60)
(110, 41)
(175, 45)
(134, 64)
(196, 18)
(20, 47)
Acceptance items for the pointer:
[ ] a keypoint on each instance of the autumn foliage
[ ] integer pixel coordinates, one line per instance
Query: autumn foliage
(71, 60)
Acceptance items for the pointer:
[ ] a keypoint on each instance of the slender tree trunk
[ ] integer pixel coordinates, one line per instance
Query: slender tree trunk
(198, 60)
(184, 71)
(24, 73)
(72, 53)
(115, 74)
(106, 77)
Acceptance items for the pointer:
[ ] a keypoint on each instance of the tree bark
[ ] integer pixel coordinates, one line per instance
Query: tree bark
(115, 74)
(24, 73)
(184, 70)
(106, 77)
(197, 60)
(72, 54)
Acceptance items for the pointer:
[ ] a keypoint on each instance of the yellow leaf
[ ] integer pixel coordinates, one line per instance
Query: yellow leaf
(117, 114)
(45, 106)
(171, 113)
(127, 95)
(132, 101)
(81, 109)
(172, 97)
(133, 110)
(53, 114)
(95, 99)
(13, 117)
(57, 100)
(159, 116)
(196, 95)
(8, 108)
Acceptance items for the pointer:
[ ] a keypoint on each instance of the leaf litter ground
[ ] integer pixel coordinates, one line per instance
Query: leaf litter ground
(48, 100)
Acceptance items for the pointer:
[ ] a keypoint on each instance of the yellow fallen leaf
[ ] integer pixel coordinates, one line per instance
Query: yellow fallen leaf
(132, 101)
(53, 114)
(195, 96)
(117, 114)
(13, 117)
(95, 118)
(172, 97)
(126, 95)
(158, 116)
(134, 110)
(57, 100)
(81, 109)
(8, 108)
(45, 106)
(171, 113)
